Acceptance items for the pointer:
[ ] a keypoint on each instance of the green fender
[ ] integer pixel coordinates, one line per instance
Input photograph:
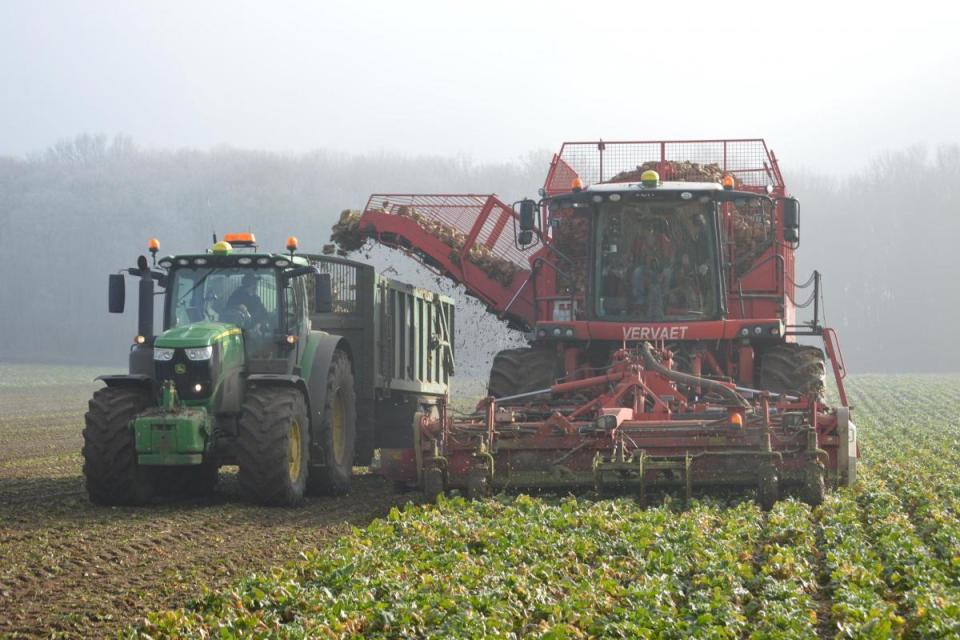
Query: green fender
(313, 369)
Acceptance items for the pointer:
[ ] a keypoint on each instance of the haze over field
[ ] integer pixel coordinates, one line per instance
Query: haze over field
(223, 116)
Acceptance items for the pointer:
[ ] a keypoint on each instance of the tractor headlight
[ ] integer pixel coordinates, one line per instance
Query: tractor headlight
(163, 355)
(200, 353)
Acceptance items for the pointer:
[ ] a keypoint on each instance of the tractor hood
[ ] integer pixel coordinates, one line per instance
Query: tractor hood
(199, 334)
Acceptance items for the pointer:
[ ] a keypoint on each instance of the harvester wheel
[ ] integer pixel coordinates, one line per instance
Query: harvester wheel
(338, 431)
(432, 484)
(792, 368)
(273, 446)
(814, 485)
(521, 370)
(110, 466)
(768, 488)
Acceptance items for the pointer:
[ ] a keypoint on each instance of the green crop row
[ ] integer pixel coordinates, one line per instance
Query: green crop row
(881, 560)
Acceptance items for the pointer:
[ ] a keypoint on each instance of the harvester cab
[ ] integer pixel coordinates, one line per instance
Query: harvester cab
(655, 282)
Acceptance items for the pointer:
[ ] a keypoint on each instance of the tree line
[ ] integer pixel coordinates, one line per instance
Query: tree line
(85, 207)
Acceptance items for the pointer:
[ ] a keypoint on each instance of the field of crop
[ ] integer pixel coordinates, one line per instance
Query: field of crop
(879, 561)
(72, 569)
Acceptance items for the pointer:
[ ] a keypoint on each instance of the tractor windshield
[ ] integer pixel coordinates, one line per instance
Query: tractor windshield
(656, 261)
(243, 296)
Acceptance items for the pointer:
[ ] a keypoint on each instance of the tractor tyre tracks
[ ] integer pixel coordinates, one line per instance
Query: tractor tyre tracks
(76, 569)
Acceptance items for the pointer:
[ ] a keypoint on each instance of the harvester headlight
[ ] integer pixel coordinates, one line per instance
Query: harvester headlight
(758, 330)
(183, 262)
(263, 260)
(200, 261)
(775, 331)
(569, 333)
(745, 331)
(556, 332)
(166, 263)
(197, 388)
(199, 353)
(614, 197)
(282, 263)
(139, 340)
(163, 355)
(244, 260)
(542, 333)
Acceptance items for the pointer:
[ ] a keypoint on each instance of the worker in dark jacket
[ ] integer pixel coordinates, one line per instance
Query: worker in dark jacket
(246, 297)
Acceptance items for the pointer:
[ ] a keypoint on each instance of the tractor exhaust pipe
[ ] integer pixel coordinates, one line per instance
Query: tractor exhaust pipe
(145, 316)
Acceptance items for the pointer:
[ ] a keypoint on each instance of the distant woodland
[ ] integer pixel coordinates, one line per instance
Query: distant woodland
(884, 238)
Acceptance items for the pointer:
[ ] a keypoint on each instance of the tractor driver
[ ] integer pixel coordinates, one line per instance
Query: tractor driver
(245, 299)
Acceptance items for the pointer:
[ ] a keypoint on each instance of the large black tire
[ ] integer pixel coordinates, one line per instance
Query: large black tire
(793, 369)
(337, 434)
(273, 446)
(110, 467)
(522, 370)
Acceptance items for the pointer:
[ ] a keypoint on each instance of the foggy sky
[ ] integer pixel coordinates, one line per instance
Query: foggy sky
(829, 85)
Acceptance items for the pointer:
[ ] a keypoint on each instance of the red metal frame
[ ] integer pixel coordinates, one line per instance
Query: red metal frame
(659, 430)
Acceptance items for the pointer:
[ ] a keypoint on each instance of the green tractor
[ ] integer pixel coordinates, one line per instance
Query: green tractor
(241, 375)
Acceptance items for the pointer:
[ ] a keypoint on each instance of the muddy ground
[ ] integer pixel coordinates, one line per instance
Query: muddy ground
(72, 569)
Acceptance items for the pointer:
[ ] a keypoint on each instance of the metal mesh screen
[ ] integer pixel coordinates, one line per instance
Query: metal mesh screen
(749, 161)
(451, 218)
(343, 285)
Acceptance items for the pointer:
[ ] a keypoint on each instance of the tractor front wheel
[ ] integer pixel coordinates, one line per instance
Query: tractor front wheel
(110, 467)
(273, 446)
(338, 431)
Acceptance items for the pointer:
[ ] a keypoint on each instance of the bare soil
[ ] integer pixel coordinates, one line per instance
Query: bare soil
(69, 568)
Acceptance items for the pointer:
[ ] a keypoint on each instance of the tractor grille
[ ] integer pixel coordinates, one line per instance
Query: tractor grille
(187, 374)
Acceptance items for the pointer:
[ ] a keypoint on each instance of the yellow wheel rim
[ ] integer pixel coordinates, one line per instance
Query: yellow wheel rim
(339, 427)
(295, 455)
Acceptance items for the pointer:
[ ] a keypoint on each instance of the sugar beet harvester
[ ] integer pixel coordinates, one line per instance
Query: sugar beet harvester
(655, 281)
(266, 361)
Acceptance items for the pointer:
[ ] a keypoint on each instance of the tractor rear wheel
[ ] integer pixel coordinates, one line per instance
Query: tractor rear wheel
(110, 467)
(273, 446)
(338, 431)
(522, 370)
(794, 369)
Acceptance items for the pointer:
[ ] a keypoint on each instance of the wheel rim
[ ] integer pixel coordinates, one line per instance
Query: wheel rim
(339, 427)
(295, 455)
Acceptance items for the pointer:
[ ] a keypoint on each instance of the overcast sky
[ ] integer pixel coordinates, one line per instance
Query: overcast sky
(828, 84)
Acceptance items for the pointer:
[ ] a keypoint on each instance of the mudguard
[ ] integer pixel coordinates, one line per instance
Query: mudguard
(316, 364)
(127, 380)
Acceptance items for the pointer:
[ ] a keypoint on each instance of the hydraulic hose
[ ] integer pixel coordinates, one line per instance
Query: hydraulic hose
(685, 378)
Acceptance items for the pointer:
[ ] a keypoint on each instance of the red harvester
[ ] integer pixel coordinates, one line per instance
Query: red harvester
(655, 281)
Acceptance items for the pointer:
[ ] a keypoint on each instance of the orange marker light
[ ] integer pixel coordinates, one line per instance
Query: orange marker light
(292, 244)
(727, 182)
(736, 419)
(576, 184)
(240, 239)
(153, 245)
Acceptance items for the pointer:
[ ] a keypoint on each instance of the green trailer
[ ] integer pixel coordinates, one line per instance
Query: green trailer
(295, 367)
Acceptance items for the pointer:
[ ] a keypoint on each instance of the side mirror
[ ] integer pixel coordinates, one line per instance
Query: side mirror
(791, 220)
(117, 293)
(323, 293)
(528, 215)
